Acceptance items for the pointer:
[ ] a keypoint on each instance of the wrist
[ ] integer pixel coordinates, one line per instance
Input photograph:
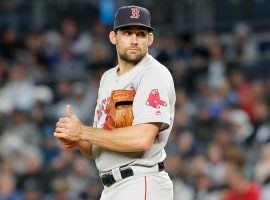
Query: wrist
(83, 135)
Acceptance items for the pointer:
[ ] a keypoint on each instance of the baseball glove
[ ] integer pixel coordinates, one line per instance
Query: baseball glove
(119, 109)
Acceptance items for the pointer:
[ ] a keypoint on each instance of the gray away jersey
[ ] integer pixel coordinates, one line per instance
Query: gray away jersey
(154, 102)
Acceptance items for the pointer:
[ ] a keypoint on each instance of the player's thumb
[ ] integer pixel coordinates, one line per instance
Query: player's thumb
(69, 112)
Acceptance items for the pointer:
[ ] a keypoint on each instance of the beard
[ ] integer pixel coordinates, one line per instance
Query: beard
(131, 58)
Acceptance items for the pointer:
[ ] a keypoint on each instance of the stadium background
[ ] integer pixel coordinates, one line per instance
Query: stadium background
(52, 53)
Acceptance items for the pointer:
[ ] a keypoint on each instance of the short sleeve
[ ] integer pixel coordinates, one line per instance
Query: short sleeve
(151, 102)
(98, 100)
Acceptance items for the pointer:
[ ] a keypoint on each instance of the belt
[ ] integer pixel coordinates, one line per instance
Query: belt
(108, 179)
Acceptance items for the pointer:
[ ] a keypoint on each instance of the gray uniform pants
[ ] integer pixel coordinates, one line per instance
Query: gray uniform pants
(151, 186)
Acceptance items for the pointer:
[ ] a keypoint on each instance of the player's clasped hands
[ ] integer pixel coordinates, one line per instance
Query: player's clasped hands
(68, 130)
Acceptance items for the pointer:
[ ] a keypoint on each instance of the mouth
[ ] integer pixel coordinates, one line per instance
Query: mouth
(133, 49)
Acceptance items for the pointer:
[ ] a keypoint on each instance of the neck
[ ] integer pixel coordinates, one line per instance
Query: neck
(124, 66)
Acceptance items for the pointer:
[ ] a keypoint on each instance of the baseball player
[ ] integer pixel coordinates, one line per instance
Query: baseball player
(133, 117)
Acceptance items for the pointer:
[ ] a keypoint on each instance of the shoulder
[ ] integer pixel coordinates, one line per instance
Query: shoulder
(107, 74)
(155, 69)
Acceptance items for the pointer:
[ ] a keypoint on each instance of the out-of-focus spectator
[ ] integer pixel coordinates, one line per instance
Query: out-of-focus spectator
(68, 67)
(222, 137)
(216, 66)
(62, 163)
(32, 179)
(262, 169)
(205, 124)
(19, 91)
(261, 112)
(235, 156)
(263, 132)
(244, 91)
(239, 187)
(174, 165)
(79, 96)
(216, 167)
(8, 188)
(185, 104)
(100, 55)
(241, 126)
(244, 47)
(93, 192)
(3, 71)
(197, 166)
(203, 186)
(60, 189)
(265, 192)
(186, 145)
(77, 43)
(79, 180)
(21, 134)
(9, 43)
(32, 190)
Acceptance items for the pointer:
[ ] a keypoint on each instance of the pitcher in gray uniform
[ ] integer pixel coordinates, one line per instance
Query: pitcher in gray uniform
(129, 158)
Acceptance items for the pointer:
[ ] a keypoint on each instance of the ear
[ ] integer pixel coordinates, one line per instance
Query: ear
(112, 37)
(150, 38)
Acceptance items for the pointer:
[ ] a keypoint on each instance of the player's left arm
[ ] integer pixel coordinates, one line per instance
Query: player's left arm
(134, 138)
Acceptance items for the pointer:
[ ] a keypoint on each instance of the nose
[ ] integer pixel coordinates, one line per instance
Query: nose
(134, 39)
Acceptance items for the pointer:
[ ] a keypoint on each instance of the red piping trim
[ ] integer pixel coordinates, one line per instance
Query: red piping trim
(145, 188)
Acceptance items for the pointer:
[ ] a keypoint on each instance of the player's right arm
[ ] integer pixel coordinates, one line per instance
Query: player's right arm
(84, 146)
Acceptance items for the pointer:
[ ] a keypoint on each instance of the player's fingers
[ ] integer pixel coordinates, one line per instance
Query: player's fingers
(62, 140)
(65, 148)
(69, 146)
(69, 125)
(69, 112)
(63, 120)
(61, 125)
(60, 130)
(59, 135)
(67, 142)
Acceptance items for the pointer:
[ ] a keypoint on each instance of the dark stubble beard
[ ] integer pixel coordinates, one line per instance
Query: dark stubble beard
(131, 59)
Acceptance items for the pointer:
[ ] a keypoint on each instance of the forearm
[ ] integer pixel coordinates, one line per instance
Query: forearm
(86, 148)
(129, 139)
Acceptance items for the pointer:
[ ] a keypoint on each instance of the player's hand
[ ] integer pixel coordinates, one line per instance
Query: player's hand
(67, 145)
(69, 128)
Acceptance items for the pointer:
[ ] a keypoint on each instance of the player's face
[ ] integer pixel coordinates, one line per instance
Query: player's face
(132, 43)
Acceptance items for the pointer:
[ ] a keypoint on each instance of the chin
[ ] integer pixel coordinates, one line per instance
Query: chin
(132, 58)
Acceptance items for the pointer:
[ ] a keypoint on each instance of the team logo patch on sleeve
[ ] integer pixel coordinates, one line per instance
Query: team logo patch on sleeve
(154, 100)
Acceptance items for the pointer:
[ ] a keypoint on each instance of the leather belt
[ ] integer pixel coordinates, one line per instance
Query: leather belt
(108, 179)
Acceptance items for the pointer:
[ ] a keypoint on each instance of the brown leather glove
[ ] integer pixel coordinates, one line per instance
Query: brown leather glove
(119, 109)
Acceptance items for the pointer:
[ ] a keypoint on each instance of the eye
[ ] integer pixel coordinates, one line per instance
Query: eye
(142, 34)
(127, 33)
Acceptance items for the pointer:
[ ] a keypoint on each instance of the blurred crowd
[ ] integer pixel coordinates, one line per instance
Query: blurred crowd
(218, 149)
